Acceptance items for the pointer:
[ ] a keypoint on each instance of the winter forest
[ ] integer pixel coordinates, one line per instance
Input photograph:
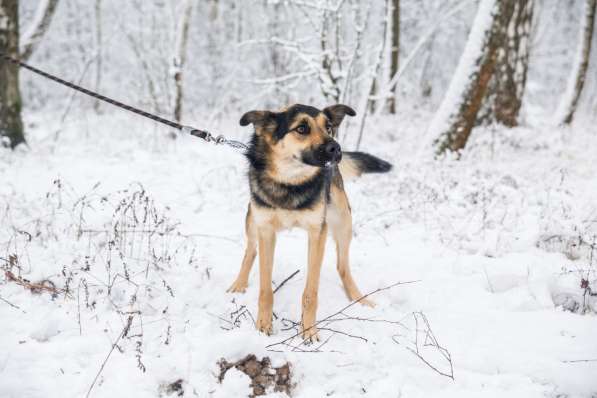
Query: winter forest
(119, 235)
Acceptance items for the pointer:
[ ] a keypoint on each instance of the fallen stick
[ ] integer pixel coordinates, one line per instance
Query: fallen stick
(286, 280)
(38, 287)
(327, 318)
(124, 332)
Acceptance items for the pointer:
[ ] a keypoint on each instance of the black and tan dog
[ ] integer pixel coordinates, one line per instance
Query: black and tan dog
(295, 176)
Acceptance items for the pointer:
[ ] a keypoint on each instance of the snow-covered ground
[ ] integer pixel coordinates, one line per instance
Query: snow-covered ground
(131, 228)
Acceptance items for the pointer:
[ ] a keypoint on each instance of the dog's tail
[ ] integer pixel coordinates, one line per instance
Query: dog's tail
(353, 164)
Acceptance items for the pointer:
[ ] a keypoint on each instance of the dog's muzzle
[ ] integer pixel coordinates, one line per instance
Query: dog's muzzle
(333, 152)
(325, 155)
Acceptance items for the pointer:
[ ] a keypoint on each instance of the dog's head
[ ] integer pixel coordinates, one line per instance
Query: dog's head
(301, 133)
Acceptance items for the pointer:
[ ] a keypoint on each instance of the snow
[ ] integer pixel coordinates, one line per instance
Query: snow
(236, 384)
(466, 231)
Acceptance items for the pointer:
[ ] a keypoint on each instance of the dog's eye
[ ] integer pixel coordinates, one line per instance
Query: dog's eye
(328, 128)
(302, 129)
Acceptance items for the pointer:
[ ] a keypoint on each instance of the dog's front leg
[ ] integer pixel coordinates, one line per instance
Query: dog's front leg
(267, 243)
(242, 280)
(317, 237)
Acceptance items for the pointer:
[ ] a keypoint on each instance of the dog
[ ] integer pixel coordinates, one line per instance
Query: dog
(296, 172)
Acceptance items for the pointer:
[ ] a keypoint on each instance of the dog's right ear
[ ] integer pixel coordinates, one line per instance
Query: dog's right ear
(258, 118)
(264, 121)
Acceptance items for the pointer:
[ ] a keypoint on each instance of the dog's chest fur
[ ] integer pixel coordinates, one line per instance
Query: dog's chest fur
(267, 192)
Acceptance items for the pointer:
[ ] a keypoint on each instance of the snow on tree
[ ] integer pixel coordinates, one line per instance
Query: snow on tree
(453, 122)
(38, 27)
(506, 89)
(569, 102)
(490, 79)
(11, 125)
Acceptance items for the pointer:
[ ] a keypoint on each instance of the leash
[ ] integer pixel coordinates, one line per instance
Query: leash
(203, 134)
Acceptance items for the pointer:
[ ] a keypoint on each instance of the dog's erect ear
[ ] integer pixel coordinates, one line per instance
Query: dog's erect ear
(337, 112)
(257, 118)
(262, 120)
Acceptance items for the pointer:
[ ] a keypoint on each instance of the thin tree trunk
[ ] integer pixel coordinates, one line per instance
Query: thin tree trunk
(376, 69)
(41, 22)
(98, 49)
(182, 37)
(395, 50)
(569, 103)
(11, 124)
(452, 124)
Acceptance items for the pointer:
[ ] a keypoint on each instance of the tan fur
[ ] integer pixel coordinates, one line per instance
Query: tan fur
(263, 224)
(349, 168)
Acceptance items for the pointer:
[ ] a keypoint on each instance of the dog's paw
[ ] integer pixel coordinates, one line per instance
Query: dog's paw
(356, 296)
(310, 335)
(264, 326)
(238, 287)
(367, 303)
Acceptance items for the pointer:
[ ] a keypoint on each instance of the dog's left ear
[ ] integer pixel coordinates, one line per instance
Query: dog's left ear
(337, 112)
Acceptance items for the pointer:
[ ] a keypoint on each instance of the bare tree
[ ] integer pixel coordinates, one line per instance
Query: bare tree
(457, 114)
(11, 124)
(506, 89)
(179, 59)
(569, 102)
(395, 50)
(38, 28)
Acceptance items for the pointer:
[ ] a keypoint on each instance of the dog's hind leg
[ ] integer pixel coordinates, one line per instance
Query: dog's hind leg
(317, 237)
(242, 280)
(267, 244)
(342, 232)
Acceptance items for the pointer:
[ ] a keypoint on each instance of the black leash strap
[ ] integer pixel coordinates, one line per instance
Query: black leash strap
(205, 135)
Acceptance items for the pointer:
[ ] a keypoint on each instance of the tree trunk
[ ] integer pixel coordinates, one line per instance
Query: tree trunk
(507, 87)
(575, 86)
(98, 50)
(395, 50)
(39, 26)
(453, 122)
(180, 57)
(11, 124)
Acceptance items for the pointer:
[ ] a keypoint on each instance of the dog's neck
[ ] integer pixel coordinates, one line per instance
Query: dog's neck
(291, 171)
(284, 183)
(287, 170)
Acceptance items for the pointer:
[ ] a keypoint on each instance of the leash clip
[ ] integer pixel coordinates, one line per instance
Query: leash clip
(207, 136)
(204, 135)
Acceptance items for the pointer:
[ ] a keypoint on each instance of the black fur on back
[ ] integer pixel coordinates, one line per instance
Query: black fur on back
(368, 163)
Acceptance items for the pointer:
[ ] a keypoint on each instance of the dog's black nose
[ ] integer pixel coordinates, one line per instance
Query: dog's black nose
(333, 151)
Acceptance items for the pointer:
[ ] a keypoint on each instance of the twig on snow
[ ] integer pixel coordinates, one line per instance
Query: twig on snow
(341, 311)
(12, 305)
(35, 287)
(580, 360)
(124, 332)
(286, 280)
(429, 341)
